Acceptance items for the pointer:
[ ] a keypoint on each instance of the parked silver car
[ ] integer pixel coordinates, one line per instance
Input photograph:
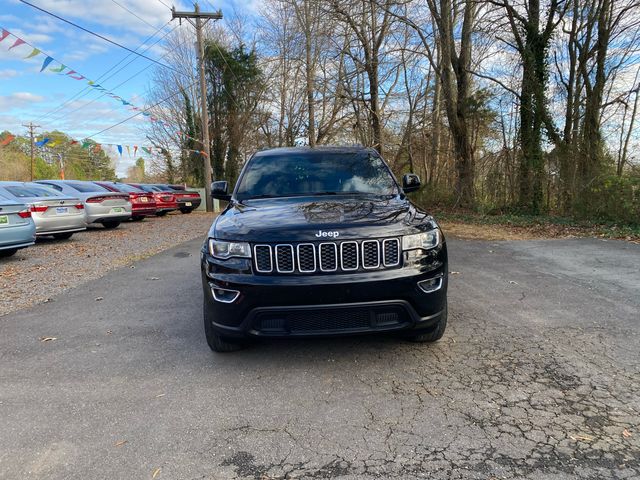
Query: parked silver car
(100, 205)
(17, 229)
(53, 213)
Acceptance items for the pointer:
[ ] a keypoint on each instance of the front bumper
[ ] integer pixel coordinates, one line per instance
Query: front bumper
(324, 304)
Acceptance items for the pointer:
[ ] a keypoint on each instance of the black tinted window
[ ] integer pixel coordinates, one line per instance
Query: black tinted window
(315, 173)
(123, 187)
(86, 187)
(30, 191)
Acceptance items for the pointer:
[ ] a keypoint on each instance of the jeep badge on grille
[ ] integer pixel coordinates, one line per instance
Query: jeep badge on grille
(321, 234)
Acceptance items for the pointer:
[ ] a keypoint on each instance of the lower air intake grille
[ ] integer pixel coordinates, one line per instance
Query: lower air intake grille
(339, 319)
(329, 320)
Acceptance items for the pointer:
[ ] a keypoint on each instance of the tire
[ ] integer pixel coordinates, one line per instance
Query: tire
(186, 210)
(161, 214)
(216, 342)
(434, 334)
(110, 225)
(137, 219)
(62, 236)
(8, 252)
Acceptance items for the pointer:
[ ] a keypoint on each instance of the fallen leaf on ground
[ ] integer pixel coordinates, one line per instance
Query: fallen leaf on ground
(161, 395)
(120, 443)
(153, 278)
(47, 339)
(584, 438)
(156, 472)
(99, 298)
(454, 273)
(513, 283)
(626, 433)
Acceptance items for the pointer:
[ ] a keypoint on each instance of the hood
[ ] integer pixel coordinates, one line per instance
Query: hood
(303, 219)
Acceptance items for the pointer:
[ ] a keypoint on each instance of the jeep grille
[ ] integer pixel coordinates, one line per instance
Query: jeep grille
(347, 256)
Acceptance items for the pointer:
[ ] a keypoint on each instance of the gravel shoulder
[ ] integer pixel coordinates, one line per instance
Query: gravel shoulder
(37, 274)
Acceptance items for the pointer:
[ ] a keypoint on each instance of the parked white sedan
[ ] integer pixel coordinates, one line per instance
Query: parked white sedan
(101, 205)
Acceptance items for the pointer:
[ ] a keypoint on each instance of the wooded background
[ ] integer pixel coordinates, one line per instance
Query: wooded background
(499, 105)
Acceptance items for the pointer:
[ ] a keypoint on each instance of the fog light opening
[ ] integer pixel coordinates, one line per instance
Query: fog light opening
(224, 295)
(431, 285)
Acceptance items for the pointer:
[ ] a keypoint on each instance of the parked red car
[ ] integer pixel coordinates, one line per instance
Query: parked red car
(143, 204)
(188, 200)
(165, 201)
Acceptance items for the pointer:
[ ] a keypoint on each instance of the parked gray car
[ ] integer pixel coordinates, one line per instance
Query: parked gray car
(100, 205)
(53, 213)
(17, 229)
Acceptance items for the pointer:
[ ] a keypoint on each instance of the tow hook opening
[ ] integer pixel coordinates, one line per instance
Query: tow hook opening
(224, 295)
(431, 285)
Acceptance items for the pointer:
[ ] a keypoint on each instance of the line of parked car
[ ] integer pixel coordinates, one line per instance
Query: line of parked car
(60, 208)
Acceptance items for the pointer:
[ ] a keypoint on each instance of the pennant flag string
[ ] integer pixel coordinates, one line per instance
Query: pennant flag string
(17, 43)
(73, 74)
(33, 53)
(97, 147)
(46, 63)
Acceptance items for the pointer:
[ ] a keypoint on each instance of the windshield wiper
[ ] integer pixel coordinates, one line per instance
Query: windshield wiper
(264, 195)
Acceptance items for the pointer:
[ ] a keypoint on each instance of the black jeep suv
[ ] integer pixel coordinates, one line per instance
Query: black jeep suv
(321, 241)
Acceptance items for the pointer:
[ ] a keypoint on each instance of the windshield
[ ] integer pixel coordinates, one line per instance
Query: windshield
(315, 173)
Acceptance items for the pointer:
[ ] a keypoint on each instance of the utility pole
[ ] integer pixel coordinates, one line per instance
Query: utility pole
(31, 128)
(201, 19)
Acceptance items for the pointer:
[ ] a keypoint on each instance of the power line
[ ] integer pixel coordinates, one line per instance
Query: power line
(103, 94)
(88, 89)
(140, 113)
(134, 14)
(165, 4)
(98, 35)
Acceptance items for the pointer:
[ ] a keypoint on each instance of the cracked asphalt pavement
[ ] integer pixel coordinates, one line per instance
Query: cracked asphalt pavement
(537, 377)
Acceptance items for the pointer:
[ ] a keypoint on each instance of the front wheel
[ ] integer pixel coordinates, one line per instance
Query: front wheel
(186, 210)
(432, 335)
(110, 225)
(8, 252)
(216, 342)
(62, 236)
(161, 214)
(137, 219)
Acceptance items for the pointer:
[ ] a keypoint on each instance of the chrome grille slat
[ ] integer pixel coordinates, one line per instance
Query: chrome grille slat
(284, 258)
(328, 257)
(346, 256)
(391, 252)
(263, 261)
(349, 256)
(370, 254)
(306, 257)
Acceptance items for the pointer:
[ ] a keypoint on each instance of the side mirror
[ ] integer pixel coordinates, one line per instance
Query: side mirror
(410, 182)
(220, 191)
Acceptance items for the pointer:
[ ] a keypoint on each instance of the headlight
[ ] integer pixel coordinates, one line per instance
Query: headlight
(425, 240)
(220, 249)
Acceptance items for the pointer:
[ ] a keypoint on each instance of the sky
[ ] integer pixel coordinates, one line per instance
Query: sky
(56, 101)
